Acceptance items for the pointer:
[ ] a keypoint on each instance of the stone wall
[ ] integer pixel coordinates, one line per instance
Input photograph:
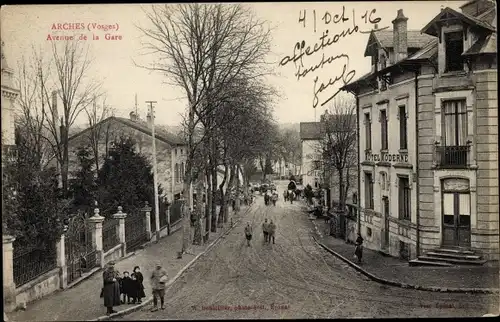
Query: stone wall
(429, 228)
(43, 285)
(485, 237)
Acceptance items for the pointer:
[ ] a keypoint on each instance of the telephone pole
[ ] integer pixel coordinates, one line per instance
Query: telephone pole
(155, 174)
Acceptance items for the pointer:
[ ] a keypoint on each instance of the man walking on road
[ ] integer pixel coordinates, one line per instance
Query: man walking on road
(248, 233)
(158, 279)
(265, 230)
(272, 231)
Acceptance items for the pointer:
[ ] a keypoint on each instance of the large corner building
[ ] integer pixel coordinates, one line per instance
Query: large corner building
(428, 135)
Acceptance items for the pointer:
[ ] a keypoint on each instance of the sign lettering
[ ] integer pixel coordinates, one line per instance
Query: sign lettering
(386, 157)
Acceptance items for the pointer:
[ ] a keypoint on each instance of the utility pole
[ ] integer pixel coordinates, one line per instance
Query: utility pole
(155, 174)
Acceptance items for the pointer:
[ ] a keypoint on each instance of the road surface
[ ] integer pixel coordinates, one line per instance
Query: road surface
(294, 279)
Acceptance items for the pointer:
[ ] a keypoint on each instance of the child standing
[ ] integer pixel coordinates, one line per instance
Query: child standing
(137, 285)
(126, 288)
(248, 233)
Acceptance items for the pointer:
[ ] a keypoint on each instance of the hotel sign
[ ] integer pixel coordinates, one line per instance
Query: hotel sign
(386, 157)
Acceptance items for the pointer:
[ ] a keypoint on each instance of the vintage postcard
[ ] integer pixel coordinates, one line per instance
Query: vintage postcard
(250, 160)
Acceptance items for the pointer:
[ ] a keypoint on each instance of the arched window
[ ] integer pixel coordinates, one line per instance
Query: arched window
(176, 173)
(182, 172)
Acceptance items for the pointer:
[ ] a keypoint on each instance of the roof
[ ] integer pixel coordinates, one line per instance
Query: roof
(385, 39)
(484, 45)
(310, 130)
(431, 29)
(141, 126)
(467, 3)
(416, 39)
(427, 52)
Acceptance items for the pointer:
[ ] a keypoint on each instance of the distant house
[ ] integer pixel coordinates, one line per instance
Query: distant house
(311, 138)
(171, 151)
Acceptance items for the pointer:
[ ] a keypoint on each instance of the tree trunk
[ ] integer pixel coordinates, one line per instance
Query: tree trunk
(238, 187)
(341, 189)
(186, 211)
(208, 206)
(213, 172)
(228, 194)
(214, 199)
(223, 208)
(197, 239)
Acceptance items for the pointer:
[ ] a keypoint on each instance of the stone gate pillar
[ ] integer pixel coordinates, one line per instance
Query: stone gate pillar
(147, 218)
(95, 223)
(61, 260)
(9, 287)
(121, 228)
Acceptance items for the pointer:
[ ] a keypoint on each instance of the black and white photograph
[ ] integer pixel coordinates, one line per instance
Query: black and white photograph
(250, 160)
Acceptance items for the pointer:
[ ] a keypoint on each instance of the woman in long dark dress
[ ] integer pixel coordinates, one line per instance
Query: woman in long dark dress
(111, 288)
(359, 248)
(138, 279)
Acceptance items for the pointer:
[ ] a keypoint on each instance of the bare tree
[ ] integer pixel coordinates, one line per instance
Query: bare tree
(338, 146)
(202, 48)
(31, 120)
(71, 63)
(96, 113)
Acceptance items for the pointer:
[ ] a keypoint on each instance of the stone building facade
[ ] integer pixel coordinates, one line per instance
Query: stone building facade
(171, 152)
(9, 95)
(442, 189)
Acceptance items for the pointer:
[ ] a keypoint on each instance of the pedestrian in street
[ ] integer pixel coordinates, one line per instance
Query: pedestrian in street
(275, 198)
(138, 286)
(265, 230)
(158, 279)
(272, 231)
(111, 288)
(292, 196)
(285, 194)
(358, 252)
(126, 288)
(248, 233)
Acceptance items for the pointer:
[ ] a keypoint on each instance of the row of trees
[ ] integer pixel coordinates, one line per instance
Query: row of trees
(55, 89)
(216, 53)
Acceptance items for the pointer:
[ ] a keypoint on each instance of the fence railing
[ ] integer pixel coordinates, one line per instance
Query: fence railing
(453, 156)
(30, 263)
(110, 236)
(135, 230)
(176, 211)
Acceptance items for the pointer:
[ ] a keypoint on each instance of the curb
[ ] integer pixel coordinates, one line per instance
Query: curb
(404, 285)
(170, 282)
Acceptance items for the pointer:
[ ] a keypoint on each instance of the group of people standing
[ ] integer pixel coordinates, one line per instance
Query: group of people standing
(124, 289)
(289, 195)
(269, 231)
(270, 196)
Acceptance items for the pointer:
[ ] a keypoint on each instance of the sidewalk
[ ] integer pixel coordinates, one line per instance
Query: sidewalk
(82, 302)
(397, 270)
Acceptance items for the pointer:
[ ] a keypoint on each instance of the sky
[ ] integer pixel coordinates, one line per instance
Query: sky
(23, 27)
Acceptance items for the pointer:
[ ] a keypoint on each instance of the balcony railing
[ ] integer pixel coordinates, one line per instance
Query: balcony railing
(453, 156)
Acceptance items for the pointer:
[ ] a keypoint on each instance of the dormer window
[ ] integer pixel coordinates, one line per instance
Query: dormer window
(454, 43)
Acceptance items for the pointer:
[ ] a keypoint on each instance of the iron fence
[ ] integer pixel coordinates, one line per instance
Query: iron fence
(135, 230)
(453, 156)
(176, 211)
(110, 236)
(80, 252)
(30, 262)
(163, 215)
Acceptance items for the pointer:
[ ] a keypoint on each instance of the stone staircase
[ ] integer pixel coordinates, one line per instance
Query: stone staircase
(449, 256)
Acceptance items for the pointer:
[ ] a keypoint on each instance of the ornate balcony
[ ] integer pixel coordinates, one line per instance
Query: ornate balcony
(455, 157)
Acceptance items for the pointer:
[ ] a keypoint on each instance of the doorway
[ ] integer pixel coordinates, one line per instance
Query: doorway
(385, 240)
(456, 219)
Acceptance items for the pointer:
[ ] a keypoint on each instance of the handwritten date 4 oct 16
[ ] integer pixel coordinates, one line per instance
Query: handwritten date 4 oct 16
(329, 18)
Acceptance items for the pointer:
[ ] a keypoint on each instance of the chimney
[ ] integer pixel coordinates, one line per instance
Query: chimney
(149, 119)
(400, 36)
